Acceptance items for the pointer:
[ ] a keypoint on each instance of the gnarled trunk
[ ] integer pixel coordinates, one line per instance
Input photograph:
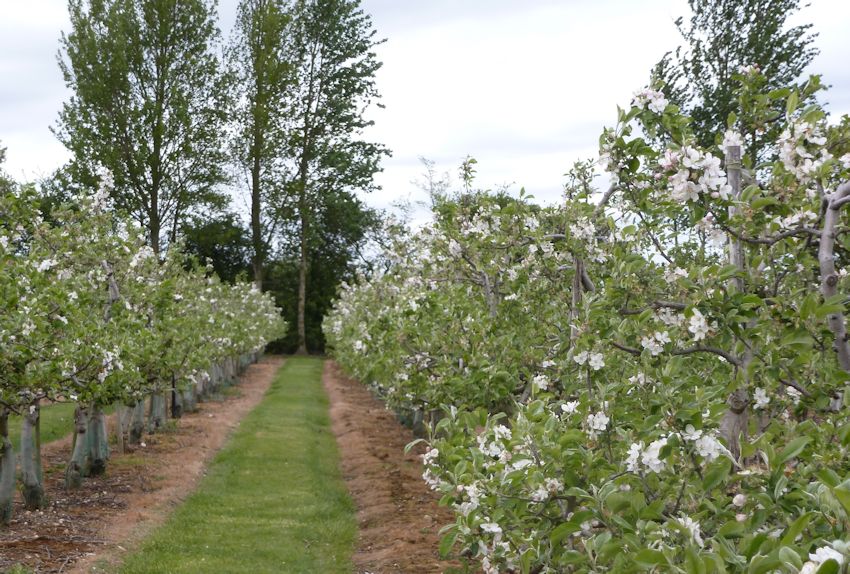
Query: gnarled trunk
(176, 399)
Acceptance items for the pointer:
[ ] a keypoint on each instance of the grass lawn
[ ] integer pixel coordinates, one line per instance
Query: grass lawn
(57, 420)
(273, 499)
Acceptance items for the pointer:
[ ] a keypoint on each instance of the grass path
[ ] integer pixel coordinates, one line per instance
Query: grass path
(273, 499)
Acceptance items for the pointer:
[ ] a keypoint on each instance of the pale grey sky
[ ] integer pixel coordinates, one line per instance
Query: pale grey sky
(525, 86)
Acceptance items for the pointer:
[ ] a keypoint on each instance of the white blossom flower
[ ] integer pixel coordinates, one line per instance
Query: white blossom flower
(581, 358)
(649, 457)
(793, 394)
(596, 361)
(761, 398)
(633, 460)
(570, 407)
(691, 434)
(598, 421)
(46, 265)
(692, 526)
(652, 99)
(669, 317)
(540, 382)
(697, 325)
(709, 447)
(739, 500)
(732, 138)
(825, 553)
(674, 274)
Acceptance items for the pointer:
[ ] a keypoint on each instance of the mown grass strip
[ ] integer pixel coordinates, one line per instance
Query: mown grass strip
(273, 499)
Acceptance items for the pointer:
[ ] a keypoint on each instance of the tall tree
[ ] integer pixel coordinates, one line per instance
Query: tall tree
(343, 228)
(331, 50)
(147, 104)
(258, 63)
(725, 37)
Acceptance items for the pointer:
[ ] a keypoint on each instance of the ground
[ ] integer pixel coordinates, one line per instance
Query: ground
(96, 528)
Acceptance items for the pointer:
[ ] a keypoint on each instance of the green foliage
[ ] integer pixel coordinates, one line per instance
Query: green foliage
(651, 382)
(260, 67)
(333, 85)
(148, 105)
(273, 499)
(723, 38)
(221, 241)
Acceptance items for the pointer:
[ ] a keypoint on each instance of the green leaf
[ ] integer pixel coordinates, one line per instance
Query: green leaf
(560, 532)
(797, 528)
(829, 567)
(716, 474)
(732, 529)
(789, 556)
(793, 448)
(791, 104)
(650, 557)
(764, 201)
(828, 309)
(411, 444)
(843, 495)
(446, 543)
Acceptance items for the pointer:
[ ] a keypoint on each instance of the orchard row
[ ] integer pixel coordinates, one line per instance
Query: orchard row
(646, 379)
(89, 314)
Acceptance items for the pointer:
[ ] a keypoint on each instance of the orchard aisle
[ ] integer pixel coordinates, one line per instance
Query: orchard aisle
(397, 514)
(272, 499)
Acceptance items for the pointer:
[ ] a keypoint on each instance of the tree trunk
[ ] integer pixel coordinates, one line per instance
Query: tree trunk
(256, 206)
(98, 440)
(190, 403)
(80, 463)
(157, 413)
(120, 415)
(137, 423)
(302, 265)
(176, 399)
(7, 469)
(31, 473)
(733, 426)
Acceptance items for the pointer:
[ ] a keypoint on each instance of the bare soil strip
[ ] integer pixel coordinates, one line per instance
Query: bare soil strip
(397, 514)
(89, 530)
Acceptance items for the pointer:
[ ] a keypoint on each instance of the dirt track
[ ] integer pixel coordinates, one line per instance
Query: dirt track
(398, 516)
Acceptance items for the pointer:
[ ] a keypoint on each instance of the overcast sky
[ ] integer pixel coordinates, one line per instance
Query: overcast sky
(524, 86)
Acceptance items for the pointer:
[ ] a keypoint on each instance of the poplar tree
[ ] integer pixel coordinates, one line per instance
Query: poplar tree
(148, 104)
(331, 51)
(726, 37)
(259, 66)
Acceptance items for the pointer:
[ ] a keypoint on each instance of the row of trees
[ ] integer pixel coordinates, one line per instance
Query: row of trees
(652, 378)
(90, 314)
(177, 116)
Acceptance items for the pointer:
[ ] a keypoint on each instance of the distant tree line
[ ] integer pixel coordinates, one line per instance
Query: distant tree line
(189, 125)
